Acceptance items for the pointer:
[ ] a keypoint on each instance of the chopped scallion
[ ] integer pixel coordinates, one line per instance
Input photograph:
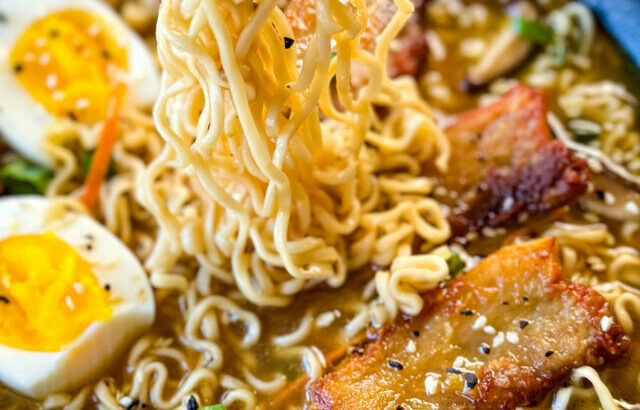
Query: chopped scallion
(214, 407)
(532, 30)
(456, 265)
(21, 177)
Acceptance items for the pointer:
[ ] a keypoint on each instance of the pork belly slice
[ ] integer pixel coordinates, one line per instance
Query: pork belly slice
(406, 56)
(500, 336)
(504, 161)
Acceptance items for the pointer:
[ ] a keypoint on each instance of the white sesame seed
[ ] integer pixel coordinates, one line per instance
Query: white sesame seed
(507, 203)
(490, 330)
(498, 339)
(512, 337)
(609, 199)
(632, 208)
(479, 323)
(69, 302)
(93, 30)
(431, 383)
(126, 401)
(78, 287)
(41, 42)
(411, 347)
(44, 58)
(325, 319)
(594, 165)
(51, 81)
(82, 103)
(605, 323)
(57, 95)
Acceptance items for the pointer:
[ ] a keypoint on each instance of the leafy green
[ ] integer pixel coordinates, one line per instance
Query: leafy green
(532, 30)
(85, 163)
(333, 54)
(456, 265)
(215, 407)
(21, 177)
(585, 136)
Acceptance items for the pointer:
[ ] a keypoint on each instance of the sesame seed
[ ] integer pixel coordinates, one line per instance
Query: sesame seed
(548, 353)
(466, 312)
(523, 324)
(399, 408)
(51, 81)
(512, 337)
(431, 383)
(452, 370)
(609, 199)
(415, 333)
(395, 364)
(605, 323)
(524, 298)
(490, 330)
(599, 194)
(505, 303)
(82, 103)
(69, 302)
(44, 58)
(470, 380)
(133, 404)
(411, 347)
(288, 42)
(632, 208)
(479, 323)
(4, 300)
(107, 287)
(192, 403)
(507, 203)
(498, 339)
(484, 348)
(78, 287)
(18, 68)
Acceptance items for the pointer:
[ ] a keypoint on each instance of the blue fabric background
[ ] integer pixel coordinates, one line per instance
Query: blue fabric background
(622, 19)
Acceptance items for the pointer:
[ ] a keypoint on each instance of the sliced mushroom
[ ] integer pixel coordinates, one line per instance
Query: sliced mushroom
(506, 51)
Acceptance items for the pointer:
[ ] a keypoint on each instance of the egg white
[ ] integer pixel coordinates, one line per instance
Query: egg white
(24, 122)
(37, 374)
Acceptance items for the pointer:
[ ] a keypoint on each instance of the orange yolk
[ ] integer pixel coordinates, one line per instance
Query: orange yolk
(49, 294)
(69, 62)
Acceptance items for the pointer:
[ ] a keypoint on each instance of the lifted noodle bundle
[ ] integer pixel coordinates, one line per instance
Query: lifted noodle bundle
(287, 179)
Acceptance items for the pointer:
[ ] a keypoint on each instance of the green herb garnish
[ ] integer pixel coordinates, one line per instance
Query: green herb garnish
(21, 177)
(214, 407)
(333, 54)
(456, 265)
(584, 136)
(85, 163)
(532, 30)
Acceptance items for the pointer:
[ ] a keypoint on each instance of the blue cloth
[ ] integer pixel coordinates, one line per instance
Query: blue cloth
(622, 19)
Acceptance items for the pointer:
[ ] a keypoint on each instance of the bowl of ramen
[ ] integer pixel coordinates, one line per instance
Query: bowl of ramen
(320, 204)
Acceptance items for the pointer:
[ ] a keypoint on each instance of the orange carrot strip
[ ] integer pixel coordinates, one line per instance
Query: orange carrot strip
(102, 155)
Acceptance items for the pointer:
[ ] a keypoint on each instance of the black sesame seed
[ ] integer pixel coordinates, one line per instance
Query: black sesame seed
(485, 349)
(548, 353)
(4, 300)
(415, 333)
(399, 408)
(600, 194)
(89, 247)
(54, 33)
(505, 303)
(106, 54)
(192, 403)
(470, 380)
(133, 404)
(395, 364)
(523, 324)
(18, 68)
(72, 116)
(480, 158)
(288, 42)
(143, 405)
(466, 312)
(107, 287)
(452, 370)
(526, 299)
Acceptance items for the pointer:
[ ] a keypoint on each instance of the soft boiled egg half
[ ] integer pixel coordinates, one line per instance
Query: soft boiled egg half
(72, 296)
(62, 59)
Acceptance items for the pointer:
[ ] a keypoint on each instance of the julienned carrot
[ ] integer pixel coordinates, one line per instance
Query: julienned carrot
(102, 155)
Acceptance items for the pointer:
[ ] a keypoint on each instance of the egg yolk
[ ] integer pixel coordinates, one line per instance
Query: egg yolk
(69, 62)
(49, 294)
